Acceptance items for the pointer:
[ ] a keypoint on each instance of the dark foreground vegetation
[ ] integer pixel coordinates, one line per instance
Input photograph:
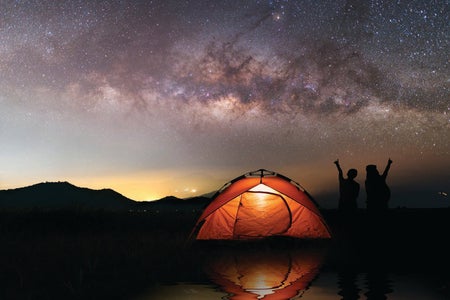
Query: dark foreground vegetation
(87, 255)
(118, 255)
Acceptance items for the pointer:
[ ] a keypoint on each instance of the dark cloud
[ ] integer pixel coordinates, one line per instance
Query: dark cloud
(323, 77)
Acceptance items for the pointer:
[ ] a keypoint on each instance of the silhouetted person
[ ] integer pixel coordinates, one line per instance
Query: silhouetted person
(348, 189)
(378, 192)
(378, 285)
(347, 283)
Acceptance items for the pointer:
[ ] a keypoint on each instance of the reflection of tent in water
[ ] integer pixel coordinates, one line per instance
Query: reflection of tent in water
(261, 204)
(248, 274)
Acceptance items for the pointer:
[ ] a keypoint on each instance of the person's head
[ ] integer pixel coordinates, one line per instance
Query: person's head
(352, 173)
(371, 170)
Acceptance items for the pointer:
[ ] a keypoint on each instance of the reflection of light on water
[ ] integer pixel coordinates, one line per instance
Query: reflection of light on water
(404, 286)
(262, 293)
(264, 274)
(185, 291)
(261, 286)
(257, 284)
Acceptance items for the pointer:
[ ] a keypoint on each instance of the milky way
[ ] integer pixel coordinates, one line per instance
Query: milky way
(176, 97)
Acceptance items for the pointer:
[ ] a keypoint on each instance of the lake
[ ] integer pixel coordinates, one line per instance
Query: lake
(303, 271)
(401, 255)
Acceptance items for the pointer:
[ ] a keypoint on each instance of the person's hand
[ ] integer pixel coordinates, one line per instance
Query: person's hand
(336, 161)
(390, 161)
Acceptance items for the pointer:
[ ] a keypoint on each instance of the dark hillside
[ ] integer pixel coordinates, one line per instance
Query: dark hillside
(171, 204)
(62, 195)
(66, 196)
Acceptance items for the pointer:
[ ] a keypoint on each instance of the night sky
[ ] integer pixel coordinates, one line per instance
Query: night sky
(157, 98)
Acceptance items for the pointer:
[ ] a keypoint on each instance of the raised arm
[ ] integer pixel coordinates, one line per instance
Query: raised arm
(386, 170)
(336, 162)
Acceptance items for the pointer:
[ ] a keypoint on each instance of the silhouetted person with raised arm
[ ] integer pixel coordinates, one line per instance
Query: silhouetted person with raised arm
(348, 190)
(378, 192)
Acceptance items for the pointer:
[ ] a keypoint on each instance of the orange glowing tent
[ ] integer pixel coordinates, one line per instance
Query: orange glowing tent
(261, 204)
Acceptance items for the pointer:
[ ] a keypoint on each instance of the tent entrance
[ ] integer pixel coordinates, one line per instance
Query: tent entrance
(261, 214)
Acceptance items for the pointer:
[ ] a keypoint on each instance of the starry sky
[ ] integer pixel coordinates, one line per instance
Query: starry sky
(157, 98)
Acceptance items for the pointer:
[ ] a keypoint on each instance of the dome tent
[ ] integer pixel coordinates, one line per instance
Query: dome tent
(261, 204)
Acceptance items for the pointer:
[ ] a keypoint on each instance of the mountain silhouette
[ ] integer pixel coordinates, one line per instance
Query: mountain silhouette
(174, 204)
(64, 195)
